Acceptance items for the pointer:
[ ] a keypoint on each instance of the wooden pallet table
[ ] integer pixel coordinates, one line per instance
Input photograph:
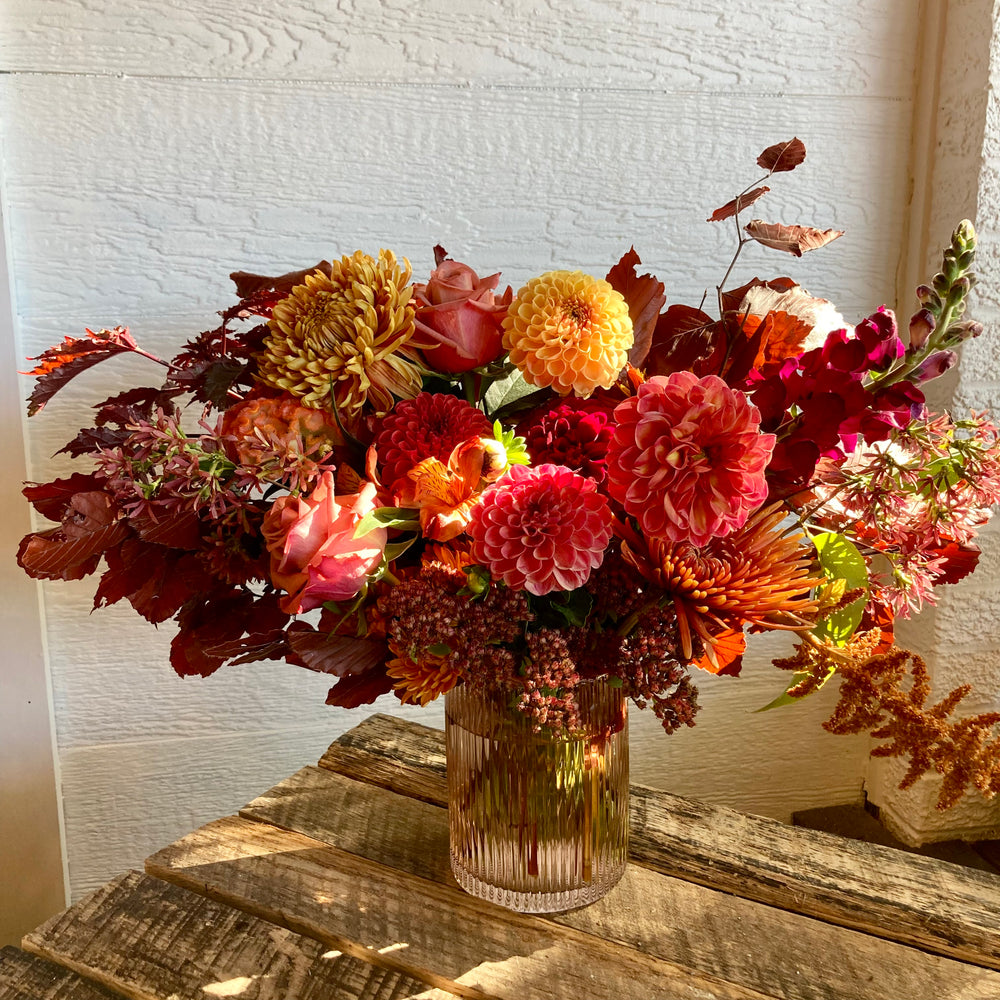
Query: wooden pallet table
(335, 884)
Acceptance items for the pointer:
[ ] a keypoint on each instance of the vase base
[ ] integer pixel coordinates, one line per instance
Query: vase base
(556, 901)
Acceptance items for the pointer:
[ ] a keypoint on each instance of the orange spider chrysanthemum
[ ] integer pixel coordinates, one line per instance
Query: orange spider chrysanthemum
(568, 331)
(417, 682)
(759, 575)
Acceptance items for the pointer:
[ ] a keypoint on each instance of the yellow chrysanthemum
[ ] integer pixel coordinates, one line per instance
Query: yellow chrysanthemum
(569, 331)
(420, 682)
(347, 330)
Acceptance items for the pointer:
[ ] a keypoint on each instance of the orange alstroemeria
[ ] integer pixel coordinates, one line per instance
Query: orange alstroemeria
(446, 493)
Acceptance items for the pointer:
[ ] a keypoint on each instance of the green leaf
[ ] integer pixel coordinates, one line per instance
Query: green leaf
(388, 517)
(395, 549)
(840, 559)
(439, 649)
(512, 394)
(787, 699)
(516, 447)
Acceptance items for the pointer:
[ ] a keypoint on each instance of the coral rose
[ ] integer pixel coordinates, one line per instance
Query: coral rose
(314, 554)
(687, 459)
(541, 529)
(459, 318)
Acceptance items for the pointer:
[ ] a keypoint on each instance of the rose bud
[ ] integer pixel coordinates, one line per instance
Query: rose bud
(459, 318)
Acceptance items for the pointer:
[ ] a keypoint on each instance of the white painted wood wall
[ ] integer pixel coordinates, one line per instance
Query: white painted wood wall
(149, 149)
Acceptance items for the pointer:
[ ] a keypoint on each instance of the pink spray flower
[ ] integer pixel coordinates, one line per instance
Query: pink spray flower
(541, 529)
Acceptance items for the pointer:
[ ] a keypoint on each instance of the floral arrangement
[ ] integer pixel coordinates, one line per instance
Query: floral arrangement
(414, 485)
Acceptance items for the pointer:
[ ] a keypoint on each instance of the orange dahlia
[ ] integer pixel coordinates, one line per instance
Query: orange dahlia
(568, 331)
(417, 682)
(760, 575)
(346, 332)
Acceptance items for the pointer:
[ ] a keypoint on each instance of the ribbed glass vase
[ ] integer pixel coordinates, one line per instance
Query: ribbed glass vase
(539, 821)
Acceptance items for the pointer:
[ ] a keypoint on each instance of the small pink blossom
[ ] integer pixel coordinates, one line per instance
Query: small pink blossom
(541, 529)
(314, 554)
(687, 459)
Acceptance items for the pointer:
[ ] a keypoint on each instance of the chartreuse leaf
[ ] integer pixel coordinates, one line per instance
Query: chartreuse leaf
(840, 559)
(797, 678)
(515, 447)
(388, 517)
(845, 568)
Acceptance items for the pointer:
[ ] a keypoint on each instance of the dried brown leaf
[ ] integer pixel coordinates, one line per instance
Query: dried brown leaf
(782, 156)
(737, 204)
(791, 239)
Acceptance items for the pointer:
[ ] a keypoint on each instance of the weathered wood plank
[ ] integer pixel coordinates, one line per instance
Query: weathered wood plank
(918, 901)
(154, 941)
(868, 46)
(27, 977)
(671, 919)
(424, 927)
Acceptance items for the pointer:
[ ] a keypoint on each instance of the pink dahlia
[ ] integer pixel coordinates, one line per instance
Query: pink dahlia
(541, 529)
(429, 426)
(575, 433)
(687, 459)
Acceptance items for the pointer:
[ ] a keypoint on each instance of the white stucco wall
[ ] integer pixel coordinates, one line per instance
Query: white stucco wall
(150, 149)
(960, 638)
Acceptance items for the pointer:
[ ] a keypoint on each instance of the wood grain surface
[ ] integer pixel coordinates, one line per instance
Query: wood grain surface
(708, 931)
(422, 927)
(918, 901)
(153, 941)
(24, 976)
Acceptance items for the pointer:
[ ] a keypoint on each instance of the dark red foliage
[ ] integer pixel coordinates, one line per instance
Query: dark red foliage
(645, 297)
(58, 365)
(157, 581)
(782, 156)
(52, 500)
(249, 285)
(360, 689)
(333, 654)
(211, 623)
(683, 337)
(90, 527)
(738, 203)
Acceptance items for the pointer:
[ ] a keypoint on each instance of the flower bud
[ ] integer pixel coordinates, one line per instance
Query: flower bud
(933, 366)
(922, 325)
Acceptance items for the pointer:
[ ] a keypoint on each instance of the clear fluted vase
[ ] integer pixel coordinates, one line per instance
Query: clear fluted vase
(538, 820)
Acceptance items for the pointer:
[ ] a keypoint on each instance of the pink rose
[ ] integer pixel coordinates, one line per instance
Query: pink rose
(459, 318)
(314, 554)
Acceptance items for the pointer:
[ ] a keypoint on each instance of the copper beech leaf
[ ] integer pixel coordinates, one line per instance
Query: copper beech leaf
(683, 337)
(782, 156)
(56, 555)
(211, 622)
(249, 284)
(52, 500)
(737, 204)
(354, 690)
(644, 296)
(59, 364)
(332, 654)
(791, 239)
